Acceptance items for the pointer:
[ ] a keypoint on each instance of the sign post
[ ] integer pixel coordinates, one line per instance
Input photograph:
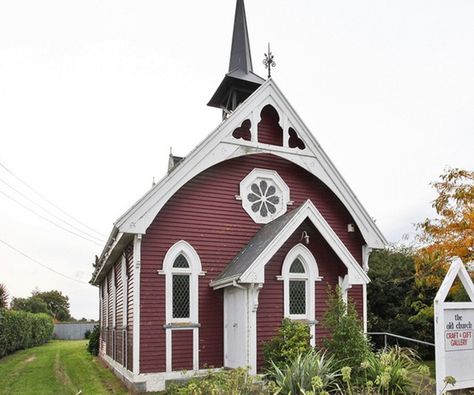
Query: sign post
(454, 332)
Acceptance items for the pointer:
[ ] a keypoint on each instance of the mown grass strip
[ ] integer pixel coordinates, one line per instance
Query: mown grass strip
(59, 367)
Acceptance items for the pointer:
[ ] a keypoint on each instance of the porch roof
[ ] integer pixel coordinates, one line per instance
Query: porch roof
(257, 245)
(271, 237)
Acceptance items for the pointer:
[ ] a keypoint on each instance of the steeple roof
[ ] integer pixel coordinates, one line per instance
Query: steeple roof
(240, 56)
(240, 82)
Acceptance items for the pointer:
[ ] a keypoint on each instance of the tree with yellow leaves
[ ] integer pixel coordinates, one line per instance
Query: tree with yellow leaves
(451, 233)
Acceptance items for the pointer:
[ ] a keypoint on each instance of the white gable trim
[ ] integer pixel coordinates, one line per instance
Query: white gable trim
(256, 273)
(220, 146)
(457, 269)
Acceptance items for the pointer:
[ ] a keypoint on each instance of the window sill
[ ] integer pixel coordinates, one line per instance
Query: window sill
(182, 325)
(305, 321)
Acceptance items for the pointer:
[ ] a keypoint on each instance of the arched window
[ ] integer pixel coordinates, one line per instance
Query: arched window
(297, 289)
(299, 272)
(182, 267)
(181, 272)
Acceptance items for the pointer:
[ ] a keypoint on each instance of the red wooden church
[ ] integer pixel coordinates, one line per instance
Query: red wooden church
(251, 227)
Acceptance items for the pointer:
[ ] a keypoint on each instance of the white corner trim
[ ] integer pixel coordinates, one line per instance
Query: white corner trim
(137, 248)
(345, 285)
(364, 305)
(308, 210)
(366, 251)
(217, 148)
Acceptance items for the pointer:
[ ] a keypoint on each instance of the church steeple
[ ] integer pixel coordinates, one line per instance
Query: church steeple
(240, 82)
(240, 56)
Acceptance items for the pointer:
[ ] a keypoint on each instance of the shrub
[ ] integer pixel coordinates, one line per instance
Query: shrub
(391, 371)
(313, 371)
(224, 382)
(347, 343)
(87, 334)
(19, 330)
(293, 338)
(94, 340)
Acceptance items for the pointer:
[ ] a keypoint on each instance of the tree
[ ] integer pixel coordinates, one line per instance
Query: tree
(33, 304)
(451, 234)
(53, 303)
(390, 292)
(58, 304)
(347, 342)
(396, 302)
(3, 296)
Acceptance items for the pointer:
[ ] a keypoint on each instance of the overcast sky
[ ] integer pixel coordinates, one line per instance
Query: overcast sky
(94, 93)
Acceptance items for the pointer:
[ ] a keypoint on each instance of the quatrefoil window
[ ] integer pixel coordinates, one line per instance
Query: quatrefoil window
(264, 195)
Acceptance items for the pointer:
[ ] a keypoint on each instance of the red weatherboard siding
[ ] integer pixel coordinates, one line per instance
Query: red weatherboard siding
(356, 294)
(182, 350)
(269, 129)
(206, 214)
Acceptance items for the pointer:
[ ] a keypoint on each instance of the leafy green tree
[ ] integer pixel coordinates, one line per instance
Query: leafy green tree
(293, 338)
(94, 340)
(390, 293)
(3, 296)
(396, 302)
(33, 304)
(58, 304)
(53, 303)
(347, 342)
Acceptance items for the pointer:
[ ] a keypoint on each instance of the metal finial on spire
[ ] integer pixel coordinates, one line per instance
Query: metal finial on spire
(269, 62)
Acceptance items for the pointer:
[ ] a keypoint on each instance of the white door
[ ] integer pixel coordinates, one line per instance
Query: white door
(235, 327)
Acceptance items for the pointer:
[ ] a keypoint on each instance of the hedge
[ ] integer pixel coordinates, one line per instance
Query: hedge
(19, 330)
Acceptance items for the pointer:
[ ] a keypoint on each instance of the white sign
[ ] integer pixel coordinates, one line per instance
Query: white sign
(454, 332)
(458, 335)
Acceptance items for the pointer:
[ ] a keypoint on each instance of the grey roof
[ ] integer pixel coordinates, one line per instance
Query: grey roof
(260, 241)
(240, 80)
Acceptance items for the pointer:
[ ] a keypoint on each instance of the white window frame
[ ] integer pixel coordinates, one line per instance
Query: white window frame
(194, 271)
(310, 276)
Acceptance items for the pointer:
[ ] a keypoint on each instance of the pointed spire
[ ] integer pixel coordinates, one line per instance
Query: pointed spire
(240, 57)
(240, 82)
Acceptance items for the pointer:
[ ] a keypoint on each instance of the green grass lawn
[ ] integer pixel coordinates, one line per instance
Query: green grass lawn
(59, 367)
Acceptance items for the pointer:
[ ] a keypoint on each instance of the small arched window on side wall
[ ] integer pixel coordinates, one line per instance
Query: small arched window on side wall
(299, 273)
(182, 268)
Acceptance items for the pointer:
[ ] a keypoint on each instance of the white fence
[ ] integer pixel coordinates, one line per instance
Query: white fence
(73, 330)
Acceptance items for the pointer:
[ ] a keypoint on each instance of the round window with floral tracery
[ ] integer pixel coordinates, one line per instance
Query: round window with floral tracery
(264, 195)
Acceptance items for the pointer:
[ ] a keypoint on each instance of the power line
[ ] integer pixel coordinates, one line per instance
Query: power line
(48, 220)
(49, 201)
(42, 264)
(50, 213)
